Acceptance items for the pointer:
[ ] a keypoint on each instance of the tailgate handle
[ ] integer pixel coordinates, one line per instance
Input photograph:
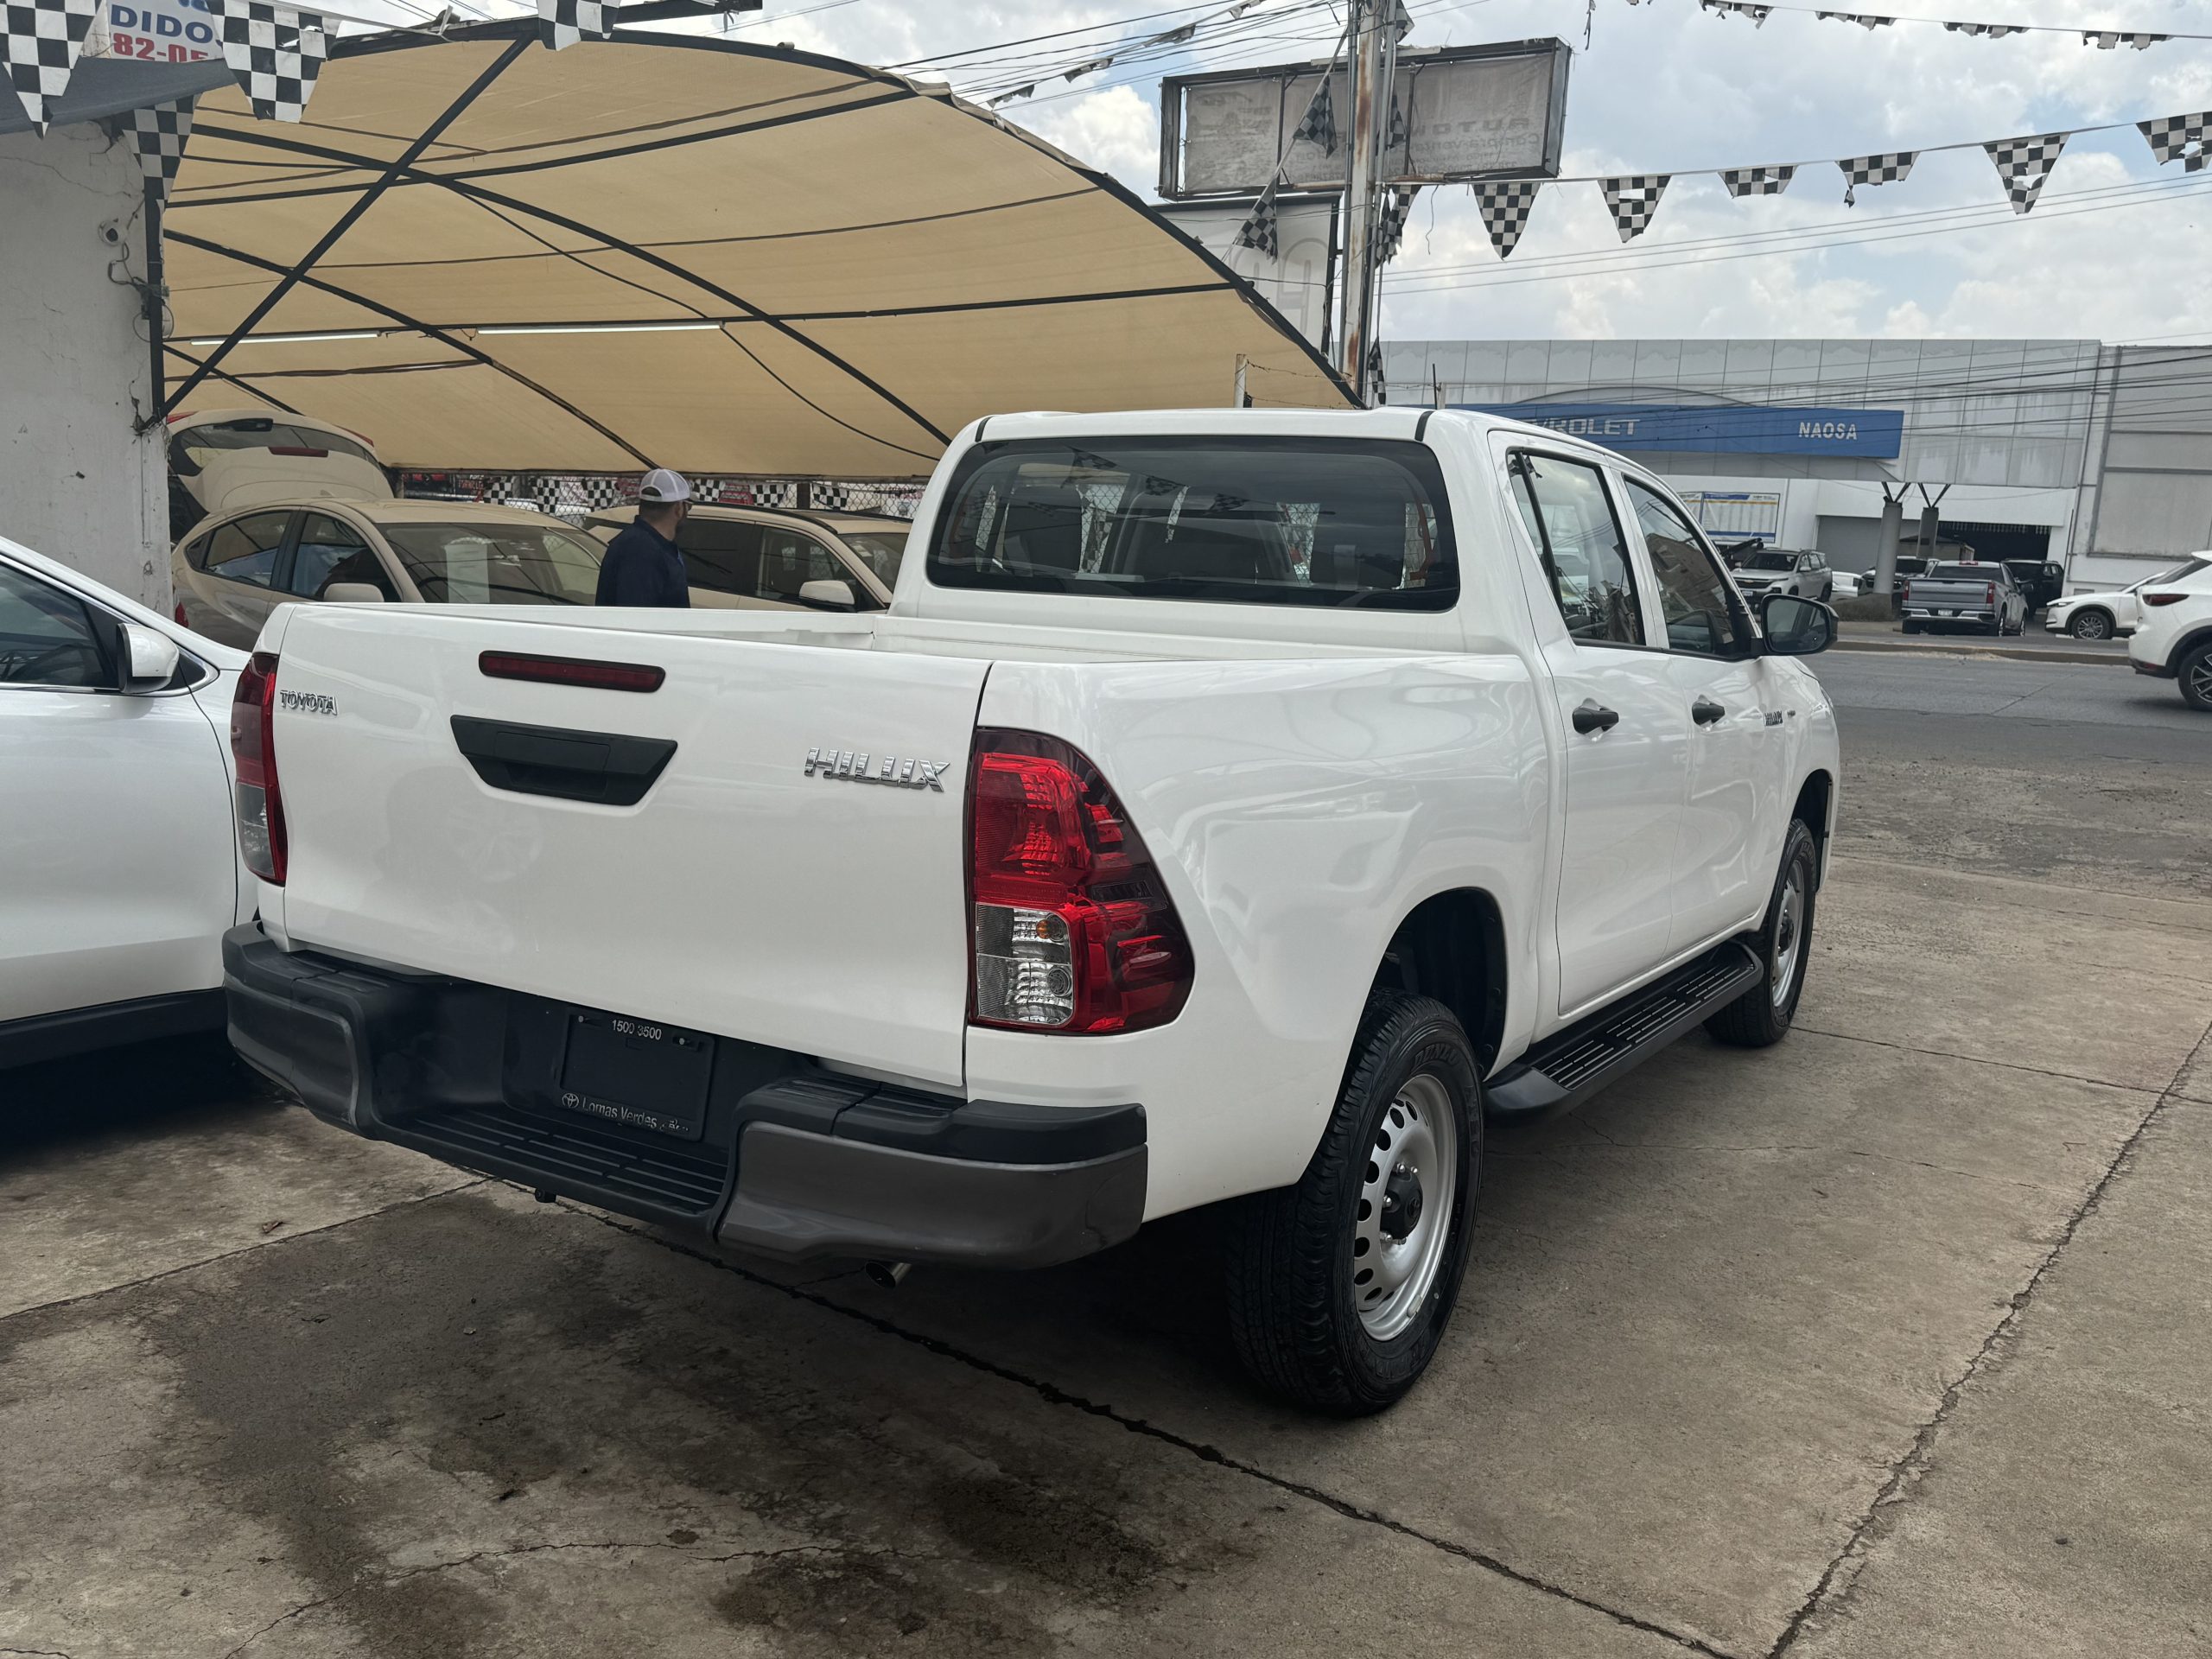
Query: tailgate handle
(610, 768)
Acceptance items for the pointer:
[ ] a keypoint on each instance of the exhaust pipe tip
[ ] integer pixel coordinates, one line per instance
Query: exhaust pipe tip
(888, 1276)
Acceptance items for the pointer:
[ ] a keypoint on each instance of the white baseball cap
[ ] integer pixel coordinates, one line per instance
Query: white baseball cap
(662, 486)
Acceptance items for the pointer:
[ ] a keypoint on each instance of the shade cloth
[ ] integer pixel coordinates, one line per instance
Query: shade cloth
(680, 250)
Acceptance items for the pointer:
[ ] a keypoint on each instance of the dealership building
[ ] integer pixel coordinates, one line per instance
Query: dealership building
(2098, 457)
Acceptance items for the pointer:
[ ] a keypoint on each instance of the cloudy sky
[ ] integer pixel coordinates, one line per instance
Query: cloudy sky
(1665, 86)
(2117, 248)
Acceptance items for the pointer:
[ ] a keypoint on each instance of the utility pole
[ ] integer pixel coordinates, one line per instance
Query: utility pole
(1885, 556)
(1367, 65)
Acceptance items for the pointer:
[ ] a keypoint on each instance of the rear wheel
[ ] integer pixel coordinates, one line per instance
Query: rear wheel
(1761, 1015)
(1912, 628)
(2090, 625)
(2195, 677)
(1340, 1287)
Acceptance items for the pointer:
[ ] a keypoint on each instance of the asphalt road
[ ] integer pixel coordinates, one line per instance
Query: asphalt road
(1890, 1340)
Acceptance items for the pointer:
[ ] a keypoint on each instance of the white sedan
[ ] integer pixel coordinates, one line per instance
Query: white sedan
(123, 870)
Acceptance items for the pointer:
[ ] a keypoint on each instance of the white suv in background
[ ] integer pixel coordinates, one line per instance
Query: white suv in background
(1784, 570)
(2115, 615)
(2174, 640)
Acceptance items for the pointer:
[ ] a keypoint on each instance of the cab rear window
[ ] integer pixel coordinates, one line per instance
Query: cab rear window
(1256, 522)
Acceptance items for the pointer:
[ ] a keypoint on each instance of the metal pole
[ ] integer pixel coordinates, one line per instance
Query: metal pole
(156, 347)
(1241, 398)
(1370, 97)
(1885, 556)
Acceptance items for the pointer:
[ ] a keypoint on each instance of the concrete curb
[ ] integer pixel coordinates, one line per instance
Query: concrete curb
(1960, 648)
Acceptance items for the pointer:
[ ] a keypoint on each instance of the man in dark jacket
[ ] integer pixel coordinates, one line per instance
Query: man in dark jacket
(642, 565)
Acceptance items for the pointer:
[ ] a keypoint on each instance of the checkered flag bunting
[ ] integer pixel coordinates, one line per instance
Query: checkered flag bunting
(1756, 180)
(1258, 231)
(2023, 163)
(276, 53)
(2180, 137)
(1758, 15)
(2106, 38)
(1504, 207)
(1632, 200)
(1864, 19)
(40, 49)
(157, 137)
(563, 23)
(1988, 31)
(1887, 168)
(1318, 125)
(1391, 234)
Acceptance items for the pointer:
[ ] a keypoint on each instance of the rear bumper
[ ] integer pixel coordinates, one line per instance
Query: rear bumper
(2155, 671)
(792, 1160)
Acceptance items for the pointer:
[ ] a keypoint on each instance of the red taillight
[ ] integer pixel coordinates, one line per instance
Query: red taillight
(180, 620)
(2164, 599)
(1989, 594)
(1072, 930)
(253, 747)
(571, 670)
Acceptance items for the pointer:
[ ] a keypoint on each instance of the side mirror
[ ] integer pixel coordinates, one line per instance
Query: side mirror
(1795, 626)
(150, 658)
(352, 593)
(828, 595)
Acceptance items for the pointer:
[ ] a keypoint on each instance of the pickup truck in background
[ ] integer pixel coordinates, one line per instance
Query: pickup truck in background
(1971, 595)
(1231, 807)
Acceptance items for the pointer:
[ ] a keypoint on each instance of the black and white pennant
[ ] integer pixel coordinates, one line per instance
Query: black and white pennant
(1864, 19)
(1758, 15)
(2179, 137)
(1258, 231)
(1886, 168)
(1319, 124)
(276, 51)
(2023, 163)
(157, 137)
(1504, 206)
(40, 48)
(1391, 234)
(1632, 200)
(563, 23)
(1989, 31)
(1756, 180)
(2106, 38)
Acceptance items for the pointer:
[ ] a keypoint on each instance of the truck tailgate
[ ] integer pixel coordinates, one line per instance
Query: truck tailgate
(738, 895)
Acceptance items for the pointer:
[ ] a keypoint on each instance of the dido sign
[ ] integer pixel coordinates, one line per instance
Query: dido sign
(165, 31)
(1725, 428)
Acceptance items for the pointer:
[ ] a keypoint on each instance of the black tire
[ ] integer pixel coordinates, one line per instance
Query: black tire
(2195, 673)
(1293, 1304)
(1912, 628)
(2089, 624)
(1760, 1017)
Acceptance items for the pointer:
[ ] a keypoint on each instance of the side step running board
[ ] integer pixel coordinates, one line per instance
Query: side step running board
(1569, 1066)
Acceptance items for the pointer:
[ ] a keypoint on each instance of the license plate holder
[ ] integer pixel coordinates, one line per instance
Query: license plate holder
(638, 1073)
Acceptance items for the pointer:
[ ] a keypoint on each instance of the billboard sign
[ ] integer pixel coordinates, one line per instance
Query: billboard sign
(1297, 281)
(163, 31)
(1719, 429)
(1463, 113)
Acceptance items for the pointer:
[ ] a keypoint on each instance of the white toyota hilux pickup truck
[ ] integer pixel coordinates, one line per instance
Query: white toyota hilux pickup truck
(1231, 807)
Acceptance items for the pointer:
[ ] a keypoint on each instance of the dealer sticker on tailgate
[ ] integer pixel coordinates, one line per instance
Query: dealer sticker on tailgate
(638, 1073)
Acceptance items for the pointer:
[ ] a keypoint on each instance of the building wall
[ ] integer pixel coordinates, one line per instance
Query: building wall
(77, 482)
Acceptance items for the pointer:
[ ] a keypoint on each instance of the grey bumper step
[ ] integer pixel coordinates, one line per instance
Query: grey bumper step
(1569, 1066)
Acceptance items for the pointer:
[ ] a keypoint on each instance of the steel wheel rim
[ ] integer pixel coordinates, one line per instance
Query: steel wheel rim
(1417, 1147)
(2200, 678)
(1789, 937)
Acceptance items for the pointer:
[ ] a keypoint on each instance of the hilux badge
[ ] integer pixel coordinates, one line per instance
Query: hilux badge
(856, 769)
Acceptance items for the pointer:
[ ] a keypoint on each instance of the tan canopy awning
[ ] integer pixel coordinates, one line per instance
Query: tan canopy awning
(679, 250)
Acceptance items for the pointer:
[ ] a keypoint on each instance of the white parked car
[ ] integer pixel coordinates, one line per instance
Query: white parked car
(221, 460)
(122, 871)
(2114, 615)
(1230, 805)
(2174, 640)
(774, 559)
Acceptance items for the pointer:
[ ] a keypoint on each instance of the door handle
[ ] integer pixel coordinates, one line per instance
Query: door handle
(1592, 716)
(1705, 711)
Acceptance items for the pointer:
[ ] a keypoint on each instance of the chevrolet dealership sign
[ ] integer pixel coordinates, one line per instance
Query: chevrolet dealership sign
(1731, 428)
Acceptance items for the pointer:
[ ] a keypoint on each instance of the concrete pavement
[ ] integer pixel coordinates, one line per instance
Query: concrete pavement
(1820, 1351)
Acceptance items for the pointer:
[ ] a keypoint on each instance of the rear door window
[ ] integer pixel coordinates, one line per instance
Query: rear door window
(1256, 522)
(791, 558)
(1579, 540)
(246, 549)
(332, 550)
